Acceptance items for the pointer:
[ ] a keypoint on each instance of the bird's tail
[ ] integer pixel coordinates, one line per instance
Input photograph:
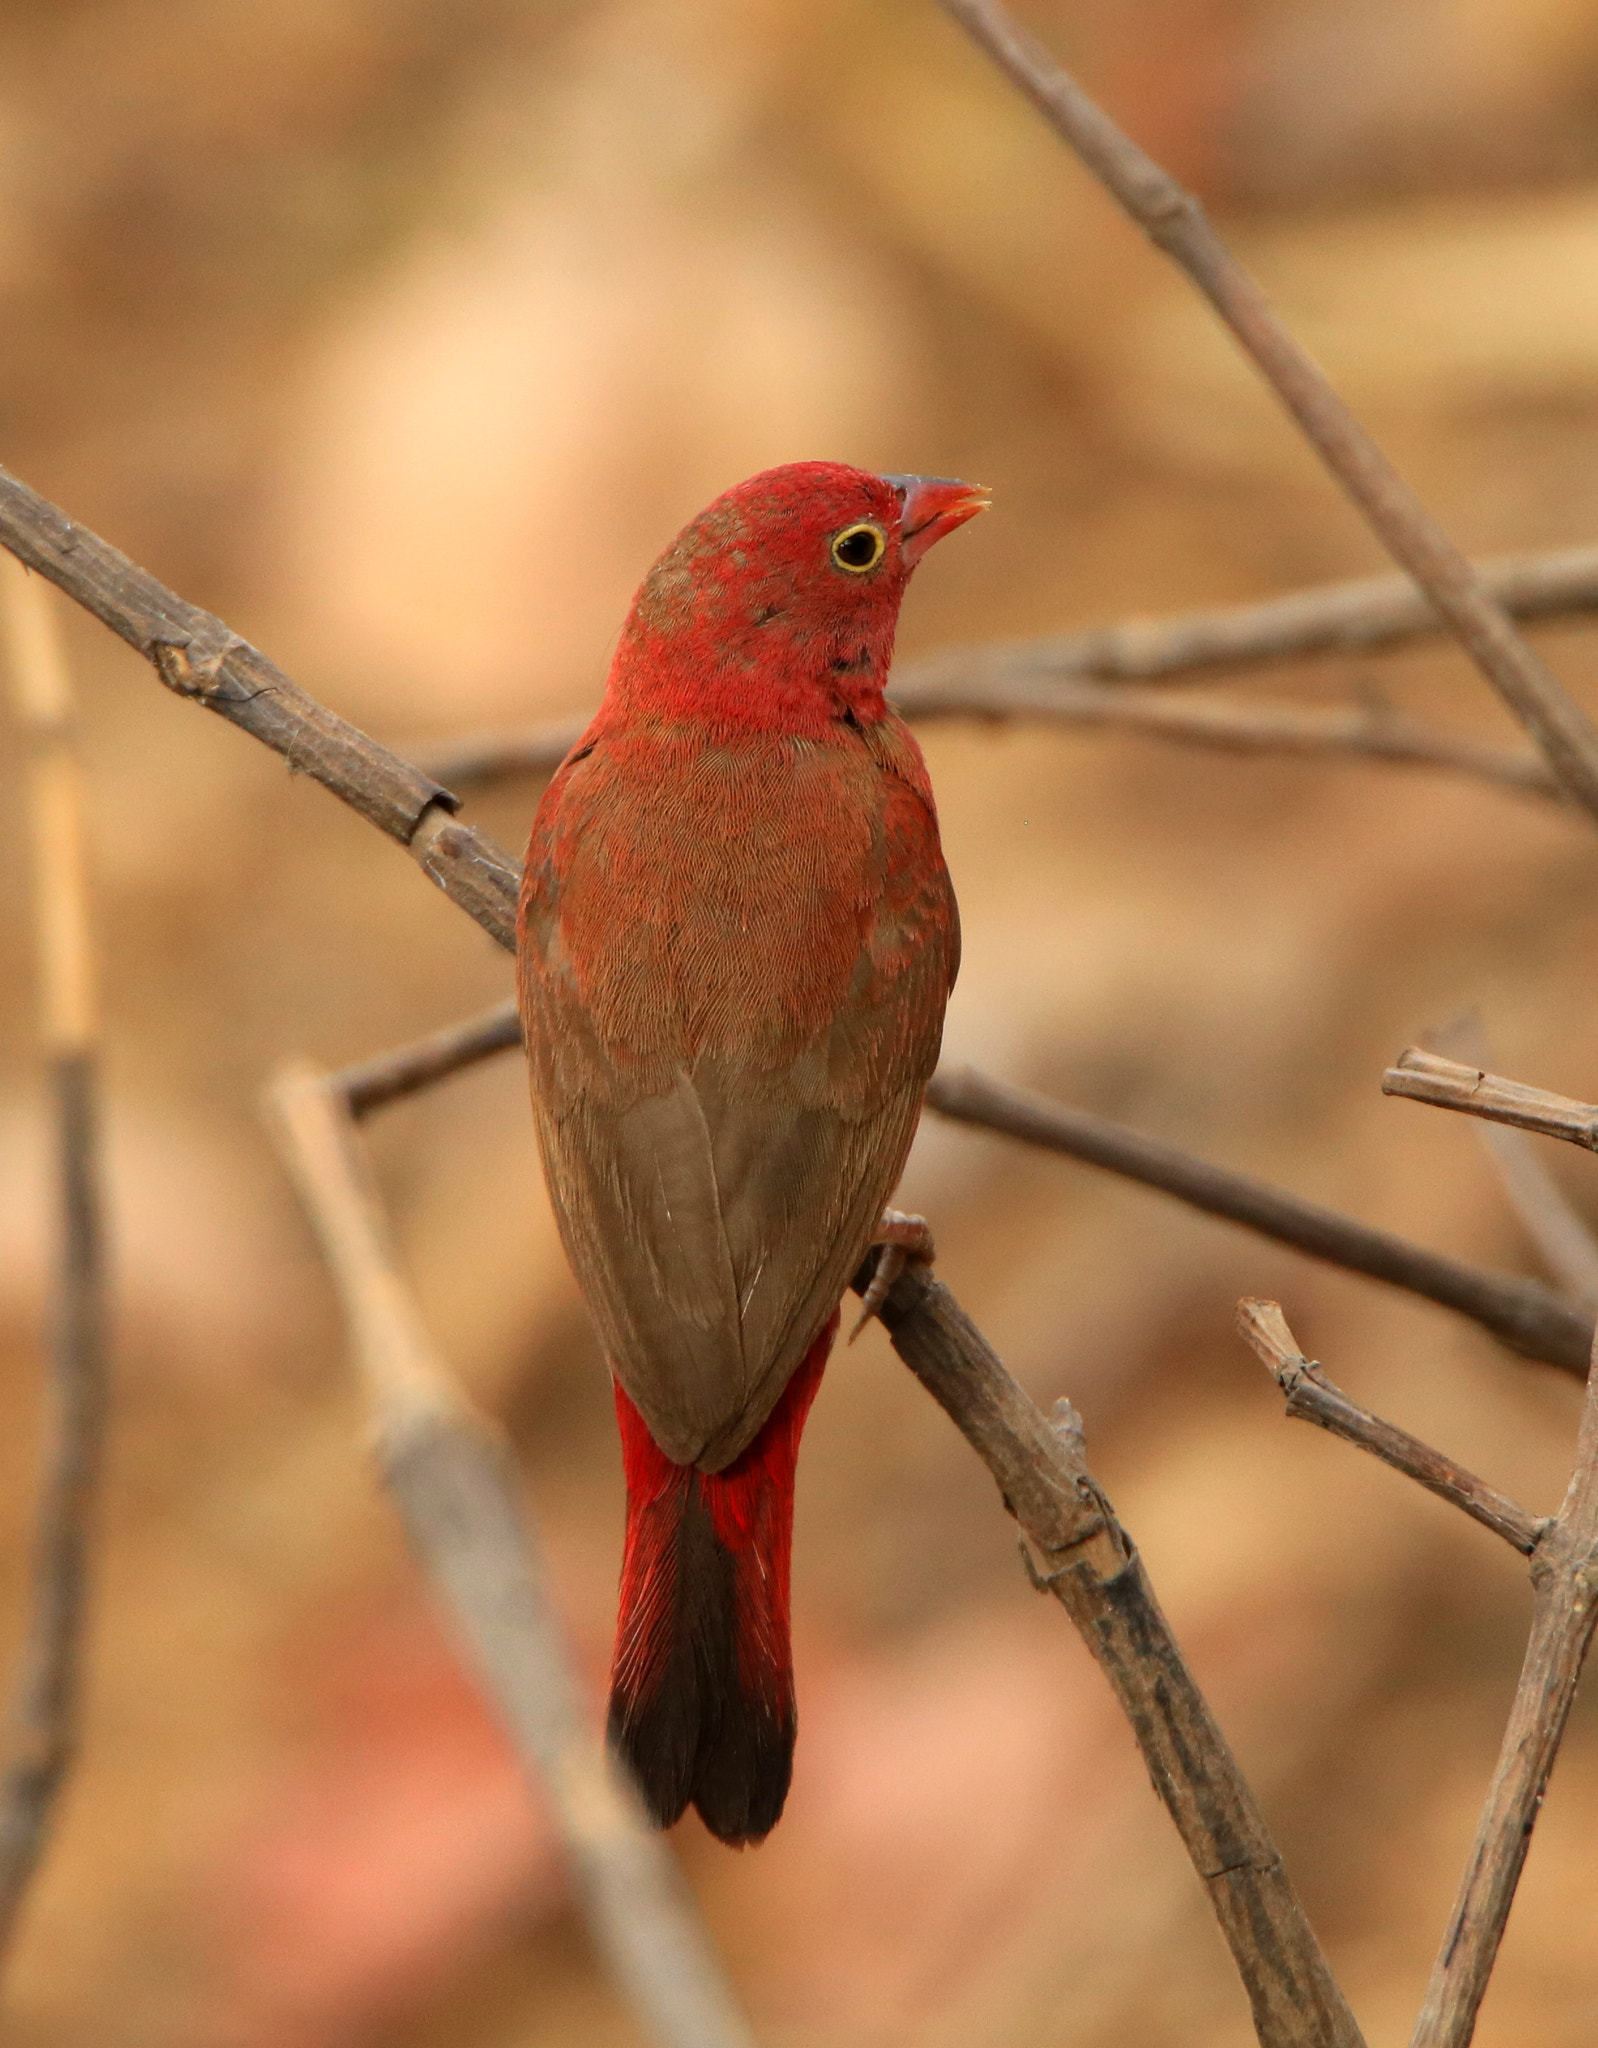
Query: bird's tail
(701, 1691)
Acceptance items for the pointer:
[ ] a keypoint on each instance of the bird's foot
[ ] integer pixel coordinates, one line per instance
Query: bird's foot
(902, 1239)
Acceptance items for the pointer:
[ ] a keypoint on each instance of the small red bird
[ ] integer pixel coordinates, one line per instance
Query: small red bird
(736, 942)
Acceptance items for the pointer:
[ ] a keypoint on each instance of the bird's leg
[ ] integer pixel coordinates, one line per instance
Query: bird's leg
(902, 1239)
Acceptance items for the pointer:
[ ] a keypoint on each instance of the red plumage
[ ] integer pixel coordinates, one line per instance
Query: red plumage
(737, 938)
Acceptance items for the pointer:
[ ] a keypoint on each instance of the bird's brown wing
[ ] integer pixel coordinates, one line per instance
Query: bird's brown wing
(717, 1182)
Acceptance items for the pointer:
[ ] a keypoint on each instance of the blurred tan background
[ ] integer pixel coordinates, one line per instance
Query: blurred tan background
(403, 333)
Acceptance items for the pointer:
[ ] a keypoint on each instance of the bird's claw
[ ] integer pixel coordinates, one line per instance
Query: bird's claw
(902, 1239)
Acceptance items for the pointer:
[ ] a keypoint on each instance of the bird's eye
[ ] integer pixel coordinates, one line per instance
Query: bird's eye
(859, 548)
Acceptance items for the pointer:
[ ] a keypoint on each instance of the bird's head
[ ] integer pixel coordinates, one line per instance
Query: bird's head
(777, 606)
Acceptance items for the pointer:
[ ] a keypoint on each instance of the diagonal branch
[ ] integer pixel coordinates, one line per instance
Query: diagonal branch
(1565, 1608)
(1523, 1314)
(45, 1712)
(1177, 224)
(1311, 1397)
(1450, 1084)
(1093, 1569)
(456, 1489)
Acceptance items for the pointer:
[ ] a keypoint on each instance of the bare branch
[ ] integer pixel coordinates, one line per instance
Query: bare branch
(1177, 224)
(1372, 732)
(456, 1489)
(1523, 1314)
(395, 1074)
(1311, 1397)
(43, 1736)
(1565, 1608)
(1364, 616)
(1448, 1084)
(1092, 1568)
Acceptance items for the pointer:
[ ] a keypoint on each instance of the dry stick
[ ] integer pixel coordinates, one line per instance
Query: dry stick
(1176, 223)
(1451, 1084)
(454, 1482)
(1311, 1397)
(1527, 1316)
(1364, 616)
(1094, 1571)
(1372, 732)
(1092, 1568)
(1523, 1314)
(395, 1074)
(1565, 1607)
(44, 1730)
(1564, 1586)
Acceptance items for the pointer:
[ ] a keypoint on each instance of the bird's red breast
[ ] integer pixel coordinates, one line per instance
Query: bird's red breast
(737, 940)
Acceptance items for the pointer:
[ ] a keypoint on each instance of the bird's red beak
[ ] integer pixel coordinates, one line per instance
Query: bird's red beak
(930, 507)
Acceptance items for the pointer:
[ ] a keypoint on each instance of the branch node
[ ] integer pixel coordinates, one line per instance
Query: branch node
(192, 666)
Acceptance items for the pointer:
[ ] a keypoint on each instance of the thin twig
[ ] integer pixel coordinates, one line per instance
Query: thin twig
(395, 1074)
(43, 1737)
(1523, 1314)
(1367, 615)
(1177, 224)
(1370, 732)
(456, 1489)
(1311, 1397)
(1564, 1576)
(1092, 1568)
(1450, 1084)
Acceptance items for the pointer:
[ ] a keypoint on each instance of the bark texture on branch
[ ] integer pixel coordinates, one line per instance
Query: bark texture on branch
(1311, 1397)
(1092, 1568)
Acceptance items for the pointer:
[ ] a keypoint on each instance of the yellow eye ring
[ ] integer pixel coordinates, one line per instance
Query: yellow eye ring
(858, 549)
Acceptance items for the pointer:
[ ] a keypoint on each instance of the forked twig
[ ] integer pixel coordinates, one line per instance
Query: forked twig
(1311, 1397)
(1174, 220)
(1092, 1568)
(43, 1736)
(456, 1489)
(1564, 1576)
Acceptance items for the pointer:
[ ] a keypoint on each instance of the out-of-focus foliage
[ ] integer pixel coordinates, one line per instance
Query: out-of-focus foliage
(403, 333)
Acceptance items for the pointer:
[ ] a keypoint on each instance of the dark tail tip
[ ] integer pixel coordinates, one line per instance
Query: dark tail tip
(696, 1723)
